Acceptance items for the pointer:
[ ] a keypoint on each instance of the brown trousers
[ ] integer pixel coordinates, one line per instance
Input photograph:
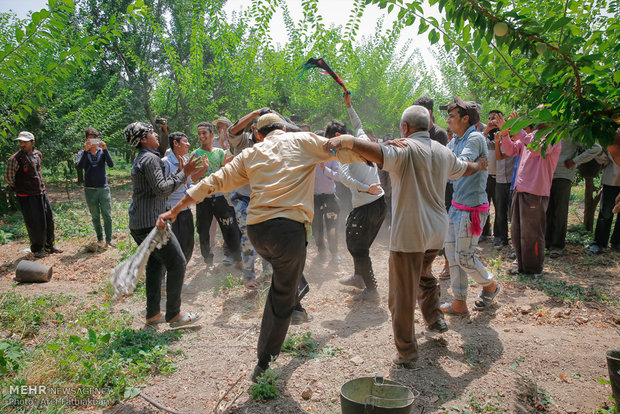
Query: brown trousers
(411, 278)
(527, 230)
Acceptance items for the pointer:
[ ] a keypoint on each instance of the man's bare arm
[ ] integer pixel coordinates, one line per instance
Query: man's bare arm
(370, 151)
(172, 214)
(473, 167)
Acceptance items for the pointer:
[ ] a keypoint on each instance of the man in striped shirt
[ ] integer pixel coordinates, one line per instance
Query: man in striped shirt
(151, 189)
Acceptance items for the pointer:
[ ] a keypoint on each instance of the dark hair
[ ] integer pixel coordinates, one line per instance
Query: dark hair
(302, 126)
(425, 101)
(495, 111)
(319, 132)
(335, 127)
(462, 112)
(175, 136)
(91, 131)
(271, 127)
(207, 125)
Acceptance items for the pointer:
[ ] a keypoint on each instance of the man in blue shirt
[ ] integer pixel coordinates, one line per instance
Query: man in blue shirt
(469, 212)
(93, 161)
(183, 227)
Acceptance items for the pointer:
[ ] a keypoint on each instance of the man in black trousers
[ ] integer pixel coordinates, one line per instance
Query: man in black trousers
(280, 172)
(23, 175)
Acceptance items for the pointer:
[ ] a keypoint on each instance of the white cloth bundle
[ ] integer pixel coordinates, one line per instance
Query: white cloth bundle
(125, 275)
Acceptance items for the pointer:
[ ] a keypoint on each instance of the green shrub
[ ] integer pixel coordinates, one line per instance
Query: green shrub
(266, 387)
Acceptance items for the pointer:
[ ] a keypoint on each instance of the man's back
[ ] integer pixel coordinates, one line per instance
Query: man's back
(419, 173)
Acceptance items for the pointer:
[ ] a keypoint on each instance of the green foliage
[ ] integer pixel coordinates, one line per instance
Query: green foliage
(579, 235)
(565, 291)
(301, 345)
(22, 317)
(229, 283)
(305, 346)
(94, 350)
(10, 356)
(562, 54)
(266, 387)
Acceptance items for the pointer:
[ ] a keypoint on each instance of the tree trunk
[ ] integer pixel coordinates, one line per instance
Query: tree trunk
(591, 201)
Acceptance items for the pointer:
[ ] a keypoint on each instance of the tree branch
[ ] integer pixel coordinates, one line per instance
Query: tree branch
(509, 65)
(572, 63)
(455, 42)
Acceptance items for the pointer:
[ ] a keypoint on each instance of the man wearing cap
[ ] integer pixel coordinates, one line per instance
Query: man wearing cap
(23, 175)
(469, 211)
(280, 172)
(150, 191)
(419, 168)
(222, 124)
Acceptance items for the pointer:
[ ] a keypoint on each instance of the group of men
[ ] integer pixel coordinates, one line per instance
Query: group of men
(281, 181)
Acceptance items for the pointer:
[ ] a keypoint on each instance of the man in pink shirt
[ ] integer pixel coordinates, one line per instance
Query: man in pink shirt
(530, 199)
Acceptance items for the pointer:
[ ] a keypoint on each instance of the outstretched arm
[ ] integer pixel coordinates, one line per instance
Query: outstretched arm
(370, 151)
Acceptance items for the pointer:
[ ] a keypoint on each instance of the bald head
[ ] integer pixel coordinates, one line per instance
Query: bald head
(415, 118)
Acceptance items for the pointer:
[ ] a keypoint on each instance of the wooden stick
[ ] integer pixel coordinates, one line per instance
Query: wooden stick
(158, 405)
(226, 393)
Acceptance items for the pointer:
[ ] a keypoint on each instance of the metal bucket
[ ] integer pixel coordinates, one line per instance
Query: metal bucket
(32, 272)
(376, 395)
(613, 365)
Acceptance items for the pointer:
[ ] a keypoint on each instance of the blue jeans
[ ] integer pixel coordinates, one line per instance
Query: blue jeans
(248, 254)
(461, 252)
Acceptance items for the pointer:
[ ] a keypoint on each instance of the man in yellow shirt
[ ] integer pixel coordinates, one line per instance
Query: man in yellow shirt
(280, 172)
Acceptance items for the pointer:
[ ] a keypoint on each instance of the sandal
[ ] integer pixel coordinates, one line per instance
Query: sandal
(161, 318)
(444, 275)
(251, 284)
(447, 309)
(187, 319)
(485, 298)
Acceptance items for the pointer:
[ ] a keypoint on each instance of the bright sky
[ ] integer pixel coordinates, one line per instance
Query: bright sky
(334, 12)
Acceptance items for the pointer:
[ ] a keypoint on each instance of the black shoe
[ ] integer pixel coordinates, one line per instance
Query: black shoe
(40, 254)
(438, 327)
(258, 371)
(298, 317)
(54, 249)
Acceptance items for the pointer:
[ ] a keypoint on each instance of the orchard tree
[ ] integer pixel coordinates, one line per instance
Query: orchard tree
(565, 55)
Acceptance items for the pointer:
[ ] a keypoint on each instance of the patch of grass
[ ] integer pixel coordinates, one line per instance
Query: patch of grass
(266, 387)
(578, 235)
(610, 407)
(12, 227)
(229, 283)
(22, 317)
(87, 350)
(305, 346)
(487, 406)
(72, 219)
(541, 399)
(562, 290)
(301, 345)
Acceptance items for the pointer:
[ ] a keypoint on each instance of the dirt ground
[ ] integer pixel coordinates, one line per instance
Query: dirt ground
(530, 352)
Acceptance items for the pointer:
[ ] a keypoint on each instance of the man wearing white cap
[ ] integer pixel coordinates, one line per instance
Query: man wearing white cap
(23, 175)
(280, 172)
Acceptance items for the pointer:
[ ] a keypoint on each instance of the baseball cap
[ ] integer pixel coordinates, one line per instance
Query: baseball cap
(269, 119)
(470, 107)
(222, 120)
(25, 136)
